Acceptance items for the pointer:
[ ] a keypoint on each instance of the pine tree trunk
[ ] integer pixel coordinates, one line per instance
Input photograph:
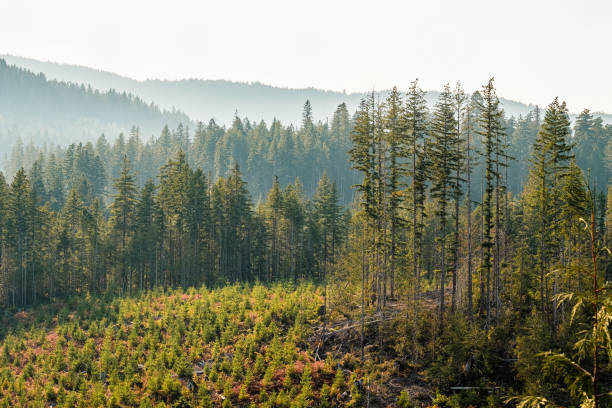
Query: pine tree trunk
(363, 280)
(497, 237)
(595, 312)
(455, 248)
(542, 245)
(506, 210)
(469, 223)
(415, 258)
(392, 274)
(482, 261)
(385, 252)
(456, 215)
(442, 270)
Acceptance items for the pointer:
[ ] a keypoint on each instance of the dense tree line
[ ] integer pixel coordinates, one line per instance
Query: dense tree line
(539, 278)
(471, 221)
(262, 151)
(411, 159)
(183, 231)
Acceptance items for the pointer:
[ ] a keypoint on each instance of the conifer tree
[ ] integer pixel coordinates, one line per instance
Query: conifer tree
(146, 236)
(275, 204)
(551, 153)
(459, 101)
(172, 197)
(197, 219)
(490, 129)
(395, 133)
(71, 217)
(469, 125)
(380, 150)
(122, 210)
(501, 160)
(294, 212)
(416, 132)
(239, 216)
(362, 158)
(96, 231)
(340, 144)
(443, 153)
(329, 219)
(19, 223)
(361, 153)
(4, 272)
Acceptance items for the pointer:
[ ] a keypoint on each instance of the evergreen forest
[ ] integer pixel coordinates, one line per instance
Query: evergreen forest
(401, 255)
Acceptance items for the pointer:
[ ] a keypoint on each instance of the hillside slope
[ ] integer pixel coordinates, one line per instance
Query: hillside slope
(219, 99)
(42, 110)
(225, 347)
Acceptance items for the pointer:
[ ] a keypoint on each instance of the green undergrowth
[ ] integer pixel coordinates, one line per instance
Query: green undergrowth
(234, 346)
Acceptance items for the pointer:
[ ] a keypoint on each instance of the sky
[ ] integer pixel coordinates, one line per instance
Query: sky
(536, 50)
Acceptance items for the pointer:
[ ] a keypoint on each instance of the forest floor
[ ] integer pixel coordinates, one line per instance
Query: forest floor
(51, 346)
(388, 372)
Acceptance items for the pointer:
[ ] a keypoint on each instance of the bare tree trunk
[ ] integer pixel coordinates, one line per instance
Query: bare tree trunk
(442, 272)
(483, 298)
(542, 246)
(415, 258)
(456, 250)
(469, 220)
(393, 249)
(497, 282)
(457, 197)
(595, 311)
(385, 252)
(506, 211)
(363, 279)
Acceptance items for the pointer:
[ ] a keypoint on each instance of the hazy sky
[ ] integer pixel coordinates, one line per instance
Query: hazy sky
(536, 49)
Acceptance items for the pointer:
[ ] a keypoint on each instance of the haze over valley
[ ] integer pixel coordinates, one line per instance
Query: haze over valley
(194, 213)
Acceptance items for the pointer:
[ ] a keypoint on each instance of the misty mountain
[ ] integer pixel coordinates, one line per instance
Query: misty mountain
(45, 110)
(219, 99)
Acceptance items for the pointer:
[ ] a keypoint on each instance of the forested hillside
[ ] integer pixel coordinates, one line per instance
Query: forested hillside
(218, 99)
(262, 151)
(265, 151)
(40, 119)
(183, 231)
(47, 111)
(469, 269)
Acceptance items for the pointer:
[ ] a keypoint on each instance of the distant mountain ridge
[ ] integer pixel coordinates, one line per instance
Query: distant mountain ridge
(203, 99)
(49, 111)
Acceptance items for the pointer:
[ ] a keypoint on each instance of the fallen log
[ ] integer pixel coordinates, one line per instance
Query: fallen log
(331, 333)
